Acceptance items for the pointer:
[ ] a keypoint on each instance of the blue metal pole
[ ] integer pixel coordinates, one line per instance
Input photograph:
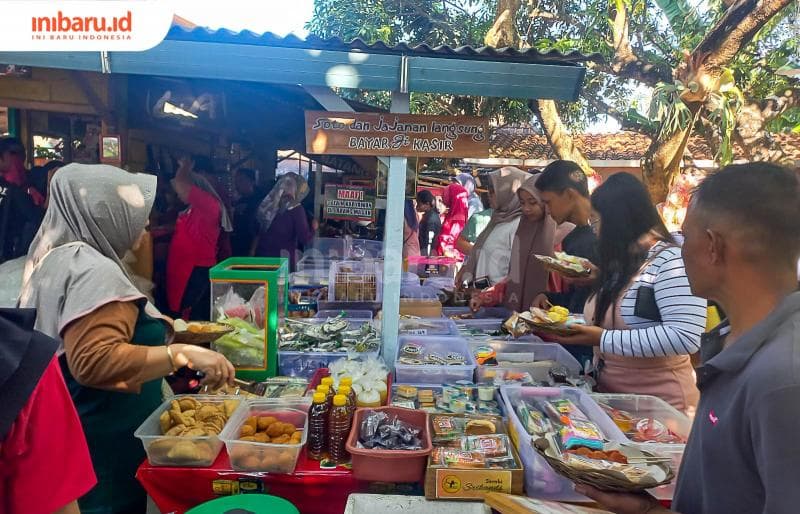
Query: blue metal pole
(393, 242)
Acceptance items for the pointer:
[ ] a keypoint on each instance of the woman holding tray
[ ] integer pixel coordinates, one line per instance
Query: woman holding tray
(641, 314)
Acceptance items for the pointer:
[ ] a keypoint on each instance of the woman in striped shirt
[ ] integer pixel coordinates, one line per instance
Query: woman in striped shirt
(646, 321)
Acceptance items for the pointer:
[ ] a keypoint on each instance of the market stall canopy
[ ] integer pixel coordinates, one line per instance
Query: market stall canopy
(268, 58)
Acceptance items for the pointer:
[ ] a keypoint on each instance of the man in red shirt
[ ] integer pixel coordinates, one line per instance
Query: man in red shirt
(44, 461)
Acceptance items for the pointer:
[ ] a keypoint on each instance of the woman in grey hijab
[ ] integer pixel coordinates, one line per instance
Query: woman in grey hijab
(113, 349)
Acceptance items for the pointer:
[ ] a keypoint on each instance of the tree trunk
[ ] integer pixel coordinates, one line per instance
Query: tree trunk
(504, 31)
(700, 73)
(558, 136)
(751, 132)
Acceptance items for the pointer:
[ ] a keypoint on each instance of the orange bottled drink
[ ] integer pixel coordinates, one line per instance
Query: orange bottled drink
(318, 427)
(339, 429)
(328, 392)
(347, 391)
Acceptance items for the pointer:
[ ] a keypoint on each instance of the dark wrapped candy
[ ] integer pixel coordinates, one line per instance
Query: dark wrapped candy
(378, 431)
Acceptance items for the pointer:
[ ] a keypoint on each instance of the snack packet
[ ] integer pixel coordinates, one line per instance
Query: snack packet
(581, 433)
(494, 447)
(447, 428)
(455, 458)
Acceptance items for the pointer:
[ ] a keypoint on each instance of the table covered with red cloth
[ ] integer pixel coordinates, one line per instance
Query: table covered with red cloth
(309, 488)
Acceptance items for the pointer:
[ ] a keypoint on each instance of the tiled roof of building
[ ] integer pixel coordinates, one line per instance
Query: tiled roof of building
(514, 144)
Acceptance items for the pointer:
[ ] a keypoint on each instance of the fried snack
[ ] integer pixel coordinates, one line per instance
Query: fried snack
(230, 406)
(188, 404)
(165, 420)
(246, 430)
(265, 421)
(281, 439)
(275, 430)
(261, 437)
(176, 430)
(209, 411)
(289, 429)
(253, 422)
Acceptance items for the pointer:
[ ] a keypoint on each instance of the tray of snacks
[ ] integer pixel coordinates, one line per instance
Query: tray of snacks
(565, 265)
(447, 398)
(267, 435)
(184, 430)
(199, 332)
(433, 360)
(556, 320)
(616, 467)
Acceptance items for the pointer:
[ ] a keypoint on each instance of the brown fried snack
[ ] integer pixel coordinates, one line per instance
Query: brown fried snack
(165, 420)
(188, 404)
(246, 430)
(275, 429)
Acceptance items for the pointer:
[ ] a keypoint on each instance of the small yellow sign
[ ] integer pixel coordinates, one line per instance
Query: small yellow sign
(471, 483)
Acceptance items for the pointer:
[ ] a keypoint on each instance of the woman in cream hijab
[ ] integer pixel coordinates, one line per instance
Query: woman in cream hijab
(113, 350)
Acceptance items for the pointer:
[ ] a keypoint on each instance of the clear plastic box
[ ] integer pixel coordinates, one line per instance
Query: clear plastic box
(157, 446)
(541, 352)
(310, 261)
(362, 248)
(326, 247)
(644, 406)
(435, 374)
(433, 266)
(540, 479)
(266, 457)
(348, 314)
(305, 363)
(483, 313)
(479, 327)
(427, 327)
(355, 281)
(309, 277)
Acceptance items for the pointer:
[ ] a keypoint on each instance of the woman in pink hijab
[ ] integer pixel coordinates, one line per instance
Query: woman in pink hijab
(456, 199)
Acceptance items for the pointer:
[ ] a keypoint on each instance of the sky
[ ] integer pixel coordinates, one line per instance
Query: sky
(278, 16)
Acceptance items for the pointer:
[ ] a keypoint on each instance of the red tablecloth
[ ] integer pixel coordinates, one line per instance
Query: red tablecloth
(309, 488)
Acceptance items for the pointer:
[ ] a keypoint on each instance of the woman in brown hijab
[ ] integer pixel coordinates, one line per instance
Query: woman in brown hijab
(535, 235)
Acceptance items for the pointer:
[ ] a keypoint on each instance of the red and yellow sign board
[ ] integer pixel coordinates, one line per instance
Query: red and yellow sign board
(401, 135)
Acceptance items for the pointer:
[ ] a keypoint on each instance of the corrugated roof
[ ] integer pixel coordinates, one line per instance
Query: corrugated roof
(511, 144)
(246, 37)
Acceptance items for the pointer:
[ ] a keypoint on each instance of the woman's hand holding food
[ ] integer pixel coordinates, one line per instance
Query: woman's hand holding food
(586, 280)
(587, 335)
(217, 369)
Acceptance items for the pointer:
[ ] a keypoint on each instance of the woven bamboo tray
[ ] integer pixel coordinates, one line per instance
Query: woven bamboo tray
(552, 264)
(206, 336)
(604, 480)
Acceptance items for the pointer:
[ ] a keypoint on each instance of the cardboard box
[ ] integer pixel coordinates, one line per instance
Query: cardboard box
(474, 484)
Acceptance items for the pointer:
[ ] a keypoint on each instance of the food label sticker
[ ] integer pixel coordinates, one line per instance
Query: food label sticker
(417, 332)
(460, 483)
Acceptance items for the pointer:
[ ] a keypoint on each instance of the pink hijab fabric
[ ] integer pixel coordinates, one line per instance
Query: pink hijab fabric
(456, 198)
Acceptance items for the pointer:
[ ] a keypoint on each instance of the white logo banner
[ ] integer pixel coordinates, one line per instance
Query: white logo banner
(83, 25)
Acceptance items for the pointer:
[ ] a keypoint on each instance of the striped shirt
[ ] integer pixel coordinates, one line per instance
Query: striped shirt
(683, 316)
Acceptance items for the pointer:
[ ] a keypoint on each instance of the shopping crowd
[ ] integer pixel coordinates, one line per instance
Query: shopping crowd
(82, 358)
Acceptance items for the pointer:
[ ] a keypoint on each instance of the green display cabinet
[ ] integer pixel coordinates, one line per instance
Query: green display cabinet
(250, 294)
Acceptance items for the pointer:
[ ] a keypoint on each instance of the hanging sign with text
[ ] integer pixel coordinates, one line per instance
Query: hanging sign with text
(352, 203)
(400, 135)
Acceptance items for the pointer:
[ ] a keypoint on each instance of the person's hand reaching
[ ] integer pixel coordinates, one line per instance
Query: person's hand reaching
(217, 369)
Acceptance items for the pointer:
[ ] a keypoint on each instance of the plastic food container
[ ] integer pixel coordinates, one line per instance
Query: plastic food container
(435, 374)
(538, 369)
(484, 312)
(266, 457)
(305, 364)
(355, 281)
(643, 406)
(347, 314)
(362, 248)
(309, 277)
(427, 327)
(326, 247)
(479, 327)
(433, 266)
(390, 465)
(158, 446)
(540, 479)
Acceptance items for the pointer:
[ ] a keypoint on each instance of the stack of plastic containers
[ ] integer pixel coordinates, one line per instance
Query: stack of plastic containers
(427, 327)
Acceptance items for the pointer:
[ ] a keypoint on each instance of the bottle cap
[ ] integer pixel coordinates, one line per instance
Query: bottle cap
(323, 388)
(345, 390)
(339, 400)
(348, 381)
(319, 397)
(327, 381)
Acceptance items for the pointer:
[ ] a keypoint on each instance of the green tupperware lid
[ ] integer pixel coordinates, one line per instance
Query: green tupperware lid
(244, 504)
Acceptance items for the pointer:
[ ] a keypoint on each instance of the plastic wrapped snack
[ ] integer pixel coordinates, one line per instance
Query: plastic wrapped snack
(380, 431)
(581, 433)
(495, 447)
(455, 458)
